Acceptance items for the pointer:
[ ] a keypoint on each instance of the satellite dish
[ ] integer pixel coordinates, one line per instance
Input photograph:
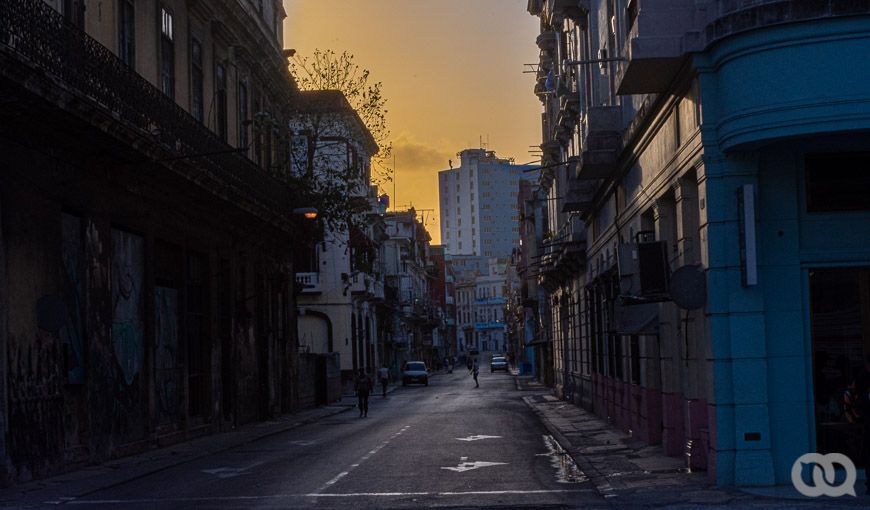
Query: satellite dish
(689, 287)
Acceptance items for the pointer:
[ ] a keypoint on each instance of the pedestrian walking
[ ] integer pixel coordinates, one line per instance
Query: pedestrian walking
(384, 375)
(475, 369)
(363, 387)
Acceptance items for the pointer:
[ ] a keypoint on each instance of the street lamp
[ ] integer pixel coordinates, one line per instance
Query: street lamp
(309, 213)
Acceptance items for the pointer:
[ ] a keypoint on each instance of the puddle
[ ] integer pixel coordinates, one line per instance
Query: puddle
(566, 470)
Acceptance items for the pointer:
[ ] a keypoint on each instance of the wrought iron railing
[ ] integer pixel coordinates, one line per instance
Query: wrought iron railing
(42, 39)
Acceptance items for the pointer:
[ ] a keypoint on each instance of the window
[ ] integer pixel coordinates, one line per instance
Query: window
(196, 84)
(220, 100)
(167, 54)
(127, 32)
(838, 182)
(244, 121)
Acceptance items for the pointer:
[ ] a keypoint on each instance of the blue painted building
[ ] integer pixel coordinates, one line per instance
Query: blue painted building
(729, 138)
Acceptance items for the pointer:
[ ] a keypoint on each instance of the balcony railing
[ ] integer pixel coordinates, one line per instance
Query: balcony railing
(37, 36)
(308, 283)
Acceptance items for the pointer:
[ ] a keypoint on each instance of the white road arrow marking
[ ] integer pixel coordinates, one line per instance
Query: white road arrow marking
(303, 443)
(477, 438)
(468, 466)
(228, 472)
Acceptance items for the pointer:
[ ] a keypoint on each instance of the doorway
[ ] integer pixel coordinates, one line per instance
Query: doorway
(840, 329)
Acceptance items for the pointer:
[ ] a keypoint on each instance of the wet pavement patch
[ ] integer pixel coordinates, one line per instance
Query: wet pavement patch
(566, 470)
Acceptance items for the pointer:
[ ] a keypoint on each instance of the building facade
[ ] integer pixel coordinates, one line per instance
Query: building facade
(341, 275)
(475, 199)
(408, 289)
(145, 268)
(712, 153)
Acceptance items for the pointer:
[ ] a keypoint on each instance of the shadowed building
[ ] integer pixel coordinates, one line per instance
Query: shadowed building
(145, 267)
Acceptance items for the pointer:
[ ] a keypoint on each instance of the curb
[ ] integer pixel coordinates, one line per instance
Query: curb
(598, 480)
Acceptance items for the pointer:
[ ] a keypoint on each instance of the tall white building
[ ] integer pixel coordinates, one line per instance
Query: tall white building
(478, 204)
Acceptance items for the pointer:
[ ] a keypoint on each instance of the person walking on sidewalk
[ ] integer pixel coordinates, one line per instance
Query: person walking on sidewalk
(475, 370)
(384, 375)
(363, 387)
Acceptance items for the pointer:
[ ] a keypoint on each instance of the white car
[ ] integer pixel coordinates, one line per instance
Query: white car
(415, 372)
(498, 363)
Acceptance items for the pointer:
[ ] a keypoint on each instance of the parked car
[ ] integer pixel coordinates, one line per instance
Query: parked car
(415, 372)
(498, 363)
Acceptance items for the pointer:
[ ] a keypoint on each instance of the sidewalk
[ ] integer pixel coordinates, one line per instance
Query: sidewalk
(87, 480)
(630, 474)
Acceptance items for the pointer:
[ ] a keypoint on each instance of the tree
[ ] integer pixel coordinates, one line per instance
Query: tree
(326, 70)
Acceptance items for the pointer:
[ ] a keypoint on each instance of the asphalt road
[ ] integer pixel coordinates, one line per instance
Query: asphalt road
(447, 445)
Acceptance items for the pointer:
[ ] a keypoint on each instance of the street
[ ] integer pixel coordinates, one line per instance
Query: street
(449, 444)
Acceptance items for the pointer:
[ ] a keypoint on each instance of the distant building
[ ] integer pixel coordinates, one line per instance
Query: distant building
(408, 291)
(478, 204)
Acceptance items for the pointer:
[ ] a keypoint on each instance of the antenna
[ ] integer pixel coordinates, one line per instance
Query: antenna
(395, 202)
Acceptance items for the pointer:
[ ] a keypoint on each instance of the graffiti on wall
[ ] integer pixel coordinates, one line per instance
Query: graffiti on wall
(35, 436)
(167, 374)
(128, 323)
(72, 333)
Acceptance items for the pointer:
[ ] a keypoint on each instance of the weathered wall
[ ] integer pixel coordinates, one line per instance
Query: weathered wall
(109, 351)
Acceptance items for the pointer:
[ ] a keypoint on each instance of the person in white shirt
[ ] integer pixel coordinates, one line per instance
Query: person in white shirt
(384, 375)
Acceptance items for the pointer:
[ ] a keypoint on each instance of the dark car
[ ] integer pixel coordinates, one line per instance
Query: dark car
(498, 363)
(415, 372)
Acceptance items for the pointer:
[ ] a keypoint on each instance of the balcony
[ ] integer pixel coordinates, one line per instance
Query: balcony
(480, 326)
(308, 283)
(580, 193)
(660, 33)
(600, 142)
(556, 10)
(490, 301)
(569, 104)
(547, 41)
(377, 290)
(59, 73)
(360, 283)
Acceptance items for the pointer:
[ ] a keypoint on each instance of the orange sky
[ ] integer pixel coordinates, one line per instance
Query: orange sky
(452, 71)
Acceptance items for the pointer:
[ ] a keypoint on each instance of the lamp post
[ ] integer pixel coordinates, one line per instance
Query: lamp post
(309, 213)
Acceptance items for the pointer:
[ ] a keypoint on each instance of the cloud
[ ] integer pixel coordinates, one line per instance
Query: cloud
(420, 158)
